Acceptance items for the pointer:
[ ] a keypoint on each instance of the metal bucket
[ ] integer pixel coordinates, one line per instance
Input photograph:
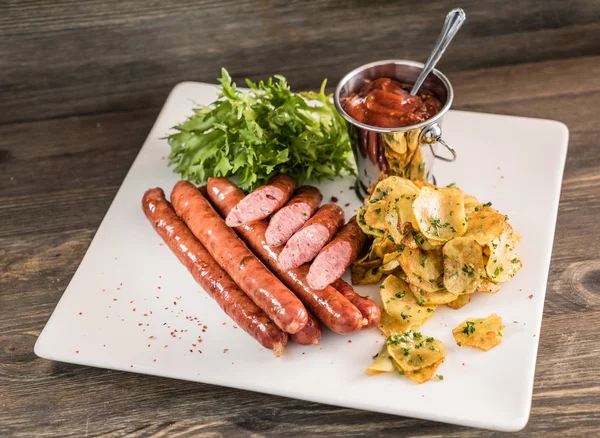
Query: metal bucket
(409, 151)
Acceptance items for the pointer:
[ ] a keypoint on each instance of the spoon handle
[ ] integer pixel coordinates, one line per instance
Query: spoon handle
(454, 20)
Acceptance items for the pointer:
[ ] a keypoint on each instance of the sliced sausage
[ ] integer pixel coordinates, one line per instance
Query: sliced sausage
(306, 243)
(290, 218)
(368, 308)
(311, 333)
(209, 275)
(263, 201)
(266, 290)
(334, 259)
(328, 305)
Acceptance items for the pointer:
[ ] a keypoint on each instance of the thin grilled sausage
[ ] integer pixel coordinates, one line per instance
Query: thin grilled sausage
(334, 259)
(263, 201)
(209, 275)
(311, 333)
(328, 305)
(266, 290)
(306, 243)
(290, 218)
(368, 308)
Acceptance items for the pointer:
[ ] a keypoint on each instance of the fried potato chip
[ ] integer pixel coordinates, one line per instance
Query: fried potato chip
(375, 215)
(482, 333)
(424, 269)
(401, 305)
(381, 246)
(362, 223)
(396, 141)
(471, 203)
(461, 301)
(412, 351)
(366, 272)
(463, 265)
(487, 287)
(382, 363)
(504, 262)
(390, 262)
(424, 374)
(421, 184)
(432, 298)
(485, 225)
(440, 213)
(408, 238)
(412, 139)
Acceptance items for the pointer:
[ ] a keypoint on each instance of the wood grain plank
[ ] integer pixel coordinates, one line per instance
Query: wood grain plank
(72, 123)
(118, 56)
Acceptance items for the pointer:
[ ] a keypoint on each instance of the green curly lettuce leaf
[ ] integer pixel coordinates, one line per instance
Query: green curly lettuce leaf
(261, 133)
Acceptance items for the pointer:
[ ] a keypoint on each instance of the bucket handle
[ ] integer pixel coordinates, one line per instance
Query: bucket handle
(433, 134)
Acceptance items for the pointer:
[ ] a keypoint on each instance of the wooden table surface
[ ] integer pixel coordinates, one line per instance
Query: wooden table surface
(81, 83)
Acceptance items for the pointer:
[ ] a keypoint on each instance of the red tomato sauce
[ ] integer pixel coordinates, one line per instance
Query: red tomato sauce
(387, 103)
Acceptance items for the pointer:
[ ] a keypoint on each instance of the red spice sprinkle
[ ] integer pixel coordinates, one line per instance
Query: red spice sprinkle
(104, 345)
(463, 364)
(303, 352)
(152, 337)
(349, 341)
(174, 303)
(225, 350)
(158, 287)
(118, 288)
(351, 187)
(77, 351)
(131, 302)
(347, 204)
(516, 322)
(157, 297)
(154, 360)
(134, 309)
(160, 276)
(114, 299)
(334, 199)
(224, 323)
(145, 314)
(191, 351)
(530, 297)
(193, 345)
(200, 351)
(534, 335)
(80, 313)
(130, 366)
(103, 290)
(140, 324)
(148, 345)
(165, 346)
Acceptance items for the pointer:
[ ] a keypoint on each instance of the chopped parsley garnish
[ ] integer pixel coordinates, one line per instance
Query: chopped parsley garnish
(439, 377)
(469, 269)
(404, 315)
(423, 259)
(487, 204)
(469, 328)
(420, 301)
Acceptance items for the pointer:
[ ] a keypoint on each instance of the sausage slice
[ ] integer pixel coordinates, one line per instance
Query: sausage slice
(334, 259)
(266, 290)
(263, 201)
(209, 275)
(312, 237)
(328, 305)
(290, 218)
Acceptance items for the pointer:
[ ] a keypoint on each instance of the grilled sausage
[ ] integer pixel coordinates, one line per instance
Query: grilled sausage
(263, 201)
(328, 305)
(290, 218)
(334, 259)
(368, 308)
(266, 290)
(209, 275)
(311, 333)
(306, 243)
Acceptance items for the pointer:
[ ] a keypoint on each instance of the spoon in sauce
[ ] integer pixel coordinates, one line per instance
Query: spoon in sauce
(454, 20)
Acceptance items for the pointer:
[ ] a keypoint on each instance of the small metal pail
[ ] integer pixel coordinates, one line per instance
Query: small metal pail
(409, 151)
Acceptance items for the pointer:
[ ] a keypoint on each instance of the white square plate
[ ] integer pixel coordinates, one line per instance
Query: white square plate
(132, 307)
